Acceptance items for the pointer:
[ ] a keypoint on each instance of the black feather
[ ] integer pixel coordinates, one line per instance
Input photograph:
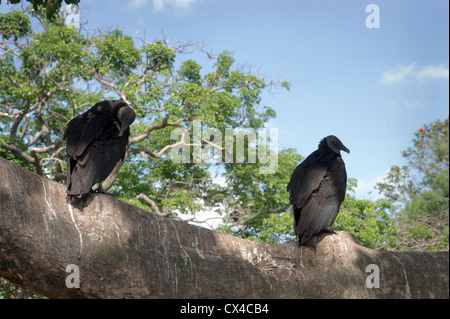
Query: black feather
(317, 189)
(93, 145)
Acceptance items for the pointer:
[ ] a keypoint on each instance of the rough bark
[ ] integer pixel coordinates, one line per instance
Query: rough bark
(125, 252)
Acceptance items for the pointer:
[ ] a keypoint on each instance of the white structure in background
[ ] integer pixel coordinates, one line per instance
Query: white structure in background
(209, 219)
(71, 16)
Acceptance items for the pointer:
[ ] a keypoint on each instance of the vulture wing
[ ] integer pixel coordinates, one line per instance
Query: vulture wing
(83, 130)
(317, 189)
(307, 177)
(97, 161)
(94, 146)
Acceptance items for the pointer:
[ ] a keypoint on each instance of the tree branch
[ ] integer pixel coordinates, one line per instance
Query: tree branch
(165, 122)
(151, 203)
(122, 251)
(19, 152)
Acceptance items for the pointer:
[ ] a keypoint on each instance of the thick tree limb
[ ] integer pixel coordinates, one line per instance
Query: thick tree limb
(124, 252)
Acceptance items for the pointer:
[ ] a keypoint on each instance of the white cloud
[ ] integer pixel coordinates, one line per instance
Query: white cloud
(401, 73)
(432, 72)
(158, 5)
(397, 74)
(179, 6)
(137, 4)
(366, 189)
(412, 104)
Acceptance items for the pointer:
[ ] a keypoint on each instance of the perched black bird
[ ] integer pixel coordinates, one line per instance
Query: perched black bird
(96, 141)
(317, 189)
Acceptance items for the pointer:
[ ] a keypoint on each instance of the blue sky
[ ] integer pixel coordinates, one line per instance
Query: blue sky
(371, 87)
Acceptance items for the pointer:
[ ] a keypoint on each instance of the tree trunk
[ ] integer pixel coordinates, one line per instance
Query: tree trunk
(115, 250)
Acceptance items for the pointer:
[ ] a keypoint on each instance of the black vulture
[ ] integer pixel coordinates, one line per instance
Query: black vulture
(317, 189)
(95, 142)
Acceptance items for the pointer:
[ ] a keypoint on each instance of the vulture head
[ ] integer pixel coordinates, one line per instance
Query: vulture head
(335, 144)
(126, 116)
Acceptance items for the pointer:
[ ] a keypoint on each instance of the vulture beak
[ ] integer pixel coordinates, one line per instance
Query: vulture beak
(122, 130)
(345, 149)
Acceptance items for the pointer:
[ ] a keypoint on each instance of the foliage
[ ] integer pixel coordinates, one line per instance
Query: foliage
(11, 291)
(184, 108)
(426, 233)
(259, 203)
(369, 221)
(51, 76)
(422, 186)
(15, 25)
(420, 190)
(51, 7)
